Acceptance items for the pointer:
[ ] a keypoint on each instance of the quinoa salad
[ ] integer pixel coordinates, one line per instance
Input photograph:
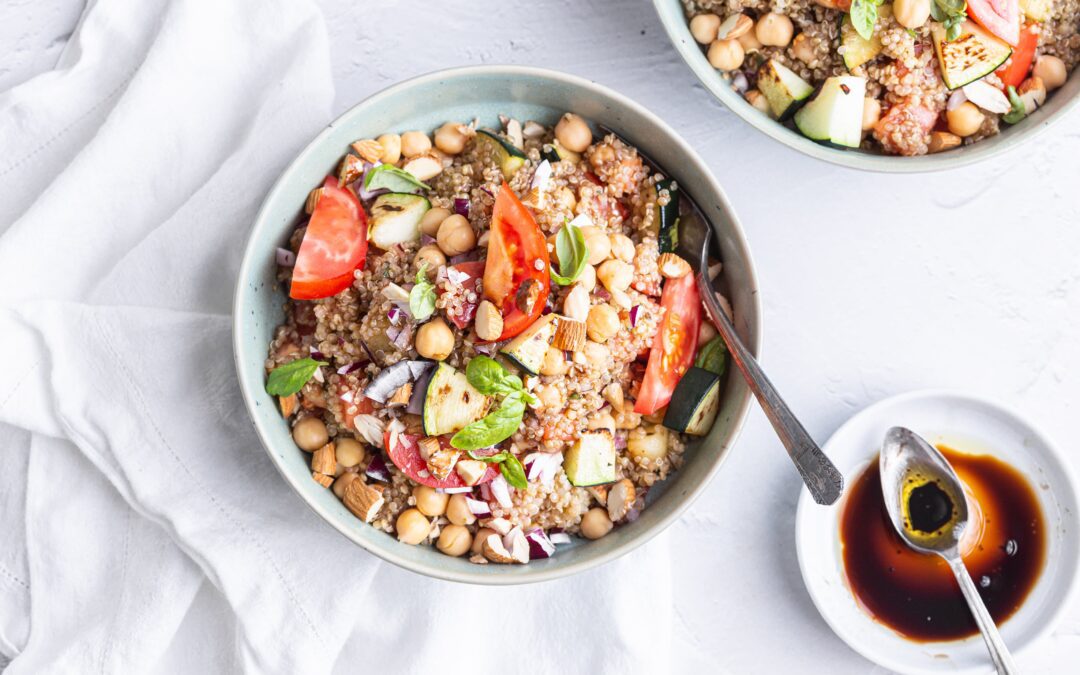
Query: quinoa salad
(490, 345)
(909, 77)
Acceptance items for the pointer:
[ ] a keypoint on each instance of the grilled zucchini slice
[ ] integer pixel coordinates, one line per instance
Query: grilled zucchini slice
(451, 403)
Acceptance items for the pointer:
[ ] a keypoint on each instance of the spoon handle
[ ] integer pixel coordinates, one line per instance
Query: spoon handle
(998, 651)
(822, 478)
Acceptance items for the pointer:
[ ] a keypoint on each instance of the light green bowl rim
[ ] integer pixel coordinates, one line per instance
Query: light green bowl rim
(521, 574)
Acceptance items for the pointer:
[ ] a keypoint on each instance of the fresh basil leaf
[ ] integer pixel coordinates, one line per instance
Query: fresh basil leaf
(937, 13)
(490, 459)
(863, 17)
(490, 377)
(514, 472)
(1019, 110)
(287, 379)
(494, 428)
(954, 29)
(422, 296)
(572, 252)
(389, 177)
(713, 356)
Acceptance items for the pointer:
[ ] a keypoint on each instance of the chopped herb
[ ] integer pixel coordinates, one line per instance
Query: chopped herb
(490, 377)
(495, 427)
(422, 296)
(951, 14)
(1019, 110)
(287, 379)
(510, 466)
(573, 254)
(389, 177)
(864, 15)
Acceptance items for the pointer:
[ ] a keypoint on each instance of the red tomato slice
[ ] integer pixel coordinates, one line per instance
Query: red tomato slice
(348, 398)
(1000, 17)
(517, 253)
(334, 245)
(1022, 56)
(672, 352)
(473, 271)
(405, 454)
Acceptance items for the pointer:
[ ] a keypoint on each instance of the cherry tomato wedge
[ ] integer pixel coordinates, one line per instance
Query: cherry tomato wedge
(465, 274)
(405, 454)
(1000, 17)
(516, 273)
(335, 244)
(1017, 70)
(673, 349)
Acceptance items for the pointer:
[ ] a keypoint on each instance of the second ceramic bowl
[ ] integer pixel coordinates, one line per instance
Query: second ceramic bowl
(425, 103)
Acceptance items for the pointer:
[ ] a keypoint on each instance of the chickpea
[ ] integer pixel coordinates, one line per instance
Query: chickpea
(412, 527)
(595, 523)
(804, 49)
(758, 100)
(911, 13)
(451, 138)
(414, 143)
(456, 236)
(576, 303)
(310, 434)
(454, 540)
(774, 30)
(749, 41)
(434, 340)
(603, 323)
(597, 354)
(481, 536)
(1051, 70)
(965, 119)
(587, 278)
(703, 27)
(457, 511)
(615, 275)
(429, 502)
(391, 148)
(431, 221)
(343, 482)
(550, 397)
(554, 362)
(348, 452)
(573, 133)
(726, 54)
(597, 243)
(432, 256)
(622, 247)
(871, 113)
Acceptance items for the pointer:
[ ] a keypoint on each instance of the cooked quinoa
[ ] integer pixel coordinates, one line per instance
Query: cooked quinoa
(908, 108)
(388, 450)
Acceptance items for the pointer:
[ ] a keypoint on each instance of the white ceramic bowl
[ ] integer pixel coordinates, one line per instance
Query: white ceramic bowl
(969, 424)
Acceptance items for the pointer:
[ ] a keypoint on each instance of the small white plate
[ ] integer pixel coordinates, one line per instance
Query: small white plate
(969, 424)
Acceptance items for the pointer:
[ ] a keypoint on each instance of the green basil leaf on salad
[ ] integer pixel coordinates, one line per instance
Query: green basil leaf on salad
(713, 356)
(389, 177)
(490, 377)
(572, 252)
(494, 428)
(863, 17)
(514, 472)
(497, 458)
(287, 379)
(422, 296)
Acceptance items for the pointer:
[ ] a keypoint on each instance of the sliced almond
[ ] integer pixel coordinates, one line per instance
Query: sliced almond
(288, 405)
(517, 545)
(429, 445)
(324, 460)
(501, 525)
(424, 167)
(599, 492)
(442, 461)
(621, 498)
(471, 470)
(352, 167)
(369, 150)
(489, 321)
(363, 500)
(734, 27)
(313, 200)
(569, 335)
(322, 479)
(672, 266)
(496, 552)
(401, 396)
(943, 140)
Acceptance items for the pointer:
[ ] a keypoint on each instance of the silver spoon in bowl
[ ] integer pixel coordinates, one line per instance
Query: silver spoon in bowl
(944, 509)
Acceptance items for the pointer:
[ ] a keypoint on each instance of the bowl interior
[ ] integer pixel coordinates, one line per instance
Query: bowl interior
(675, 24)
(969, 425)
(425, 103)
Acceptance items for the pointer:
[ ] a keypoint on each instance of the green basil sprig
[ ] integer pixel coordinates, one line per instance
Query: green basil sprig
(1018, 111)
(509, 466)
(713, 356)
(951, 14)
(287, 379)
(573, 254)
(422, 296)
(864, 14)
(389, 177)
(490, 378)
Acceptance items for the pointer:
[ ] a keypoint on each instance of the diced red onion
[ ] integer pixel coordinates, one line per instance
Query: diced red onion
(634, 311)
(461, 206)
(477, 508)
(547, 310)
(500, 489)
(377, 469)
(456, 276)
(485, 492)
(955, 99)
(740, 83)
(393, 332)
(620, 441)
(285, 257)
(319, 377)
(403, 338)
(427, 240)
(540, 546)
(350, 368)
(632, 515)
(394, 314)
(416, 402)
(454, 490)
(559, 538)
(316, 354)
(487, 349)
(602, 293)
(465, 257)
(568, 355)
(348, 396)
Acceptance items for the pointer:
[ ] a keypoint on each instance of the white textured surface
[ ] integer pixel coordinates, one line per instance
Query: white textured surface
(872, 285)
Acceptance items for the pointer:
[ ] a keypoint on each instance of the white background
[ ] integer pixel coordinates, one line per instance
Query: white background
(872, 285)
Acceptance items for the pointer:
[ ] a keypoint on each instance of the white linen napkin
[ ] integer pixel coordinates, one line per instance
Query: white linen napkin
(143, 527)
